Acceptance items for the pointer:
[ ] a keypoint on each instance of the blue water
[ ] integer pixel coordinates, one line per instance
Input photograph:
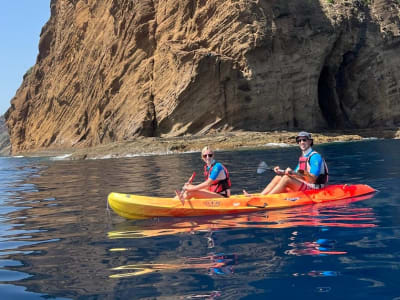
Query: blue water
(58, 240)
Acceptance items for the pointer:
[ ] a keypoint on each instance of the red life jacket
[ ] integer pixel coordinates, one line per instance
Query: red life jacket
(218, 186)
(304, 164)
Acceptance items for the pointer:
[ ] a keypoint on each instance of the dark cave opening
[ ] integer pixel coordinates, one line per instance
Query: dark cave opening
(333, 90)
(326, 97)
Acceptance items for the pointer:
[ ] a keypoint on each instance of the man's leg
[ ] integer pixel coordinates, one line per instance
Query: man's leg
(286, 182)
(275, 181)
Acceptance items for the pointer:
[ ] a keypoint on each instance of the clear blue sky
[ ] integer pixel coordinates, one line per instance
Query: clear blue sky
(21, 22)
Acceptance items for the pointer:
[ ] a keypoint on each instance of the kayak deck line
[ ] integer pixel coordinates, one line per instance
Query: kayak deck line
(132, 206)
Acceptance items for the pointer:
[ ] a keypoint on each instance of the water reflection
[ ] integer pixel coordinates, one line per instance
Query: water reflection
(56, 239)
(268, 256)
(318, 274)
(337, 214)
(316, 248)
(213, 264)
(211, 296)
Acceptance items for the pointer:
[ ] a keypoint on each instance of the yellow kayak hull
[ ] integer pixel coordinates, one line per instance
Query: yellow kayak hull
(131, 206)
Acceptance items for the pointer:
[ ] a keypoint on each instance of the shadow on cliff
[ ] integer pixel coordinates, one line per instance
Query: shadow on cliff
(316, 69)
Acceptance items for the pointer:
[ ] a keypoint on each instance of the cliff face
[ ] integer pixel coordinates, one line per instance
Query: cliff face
(117, 69)
(4, 138)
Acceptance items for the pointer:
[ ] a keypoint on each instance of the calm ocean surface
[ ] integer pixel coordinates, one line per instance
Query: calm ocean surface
(58, 240)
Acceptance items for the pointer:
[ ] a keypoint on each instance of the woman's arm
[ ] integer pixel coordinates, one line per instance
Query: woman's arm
(200, 186)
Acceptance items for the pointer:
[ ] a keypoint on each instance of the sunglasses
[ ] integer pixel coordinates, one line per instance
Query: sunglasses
(209, 155)
(301, 140)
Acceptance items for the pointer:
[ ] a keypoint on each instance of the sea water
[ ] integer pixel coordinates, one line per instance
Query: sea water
(59, 240)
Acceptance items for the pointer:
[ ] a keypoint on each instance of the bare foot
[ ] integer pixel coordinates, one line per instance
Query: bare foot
(246, 193)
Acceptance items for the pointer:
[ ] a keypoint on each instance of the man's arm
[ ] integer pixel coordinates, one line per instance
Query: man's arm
(315, 168)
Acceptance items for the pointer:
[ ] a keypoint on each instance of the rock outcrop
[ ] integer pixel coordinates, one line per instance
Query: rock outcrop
(115, 70)
(4, 138)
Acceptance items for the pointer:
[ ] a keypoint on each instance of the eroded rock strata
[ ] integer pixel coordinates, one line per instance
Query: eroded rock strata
(114, 70)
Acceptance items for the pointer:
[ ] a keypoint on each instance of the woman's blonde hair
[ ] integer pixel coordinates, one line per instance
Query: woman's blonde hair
(206, 148)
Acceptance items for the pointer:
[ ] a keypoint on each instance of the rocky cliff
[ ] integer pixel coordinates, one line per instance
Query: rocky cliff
(115, 70)
(4, 138)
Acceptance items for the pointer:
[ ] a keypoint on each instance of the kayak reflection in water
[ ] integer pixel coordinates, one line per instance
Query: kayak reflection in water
(311, 172)
(218, 264)
(217, 183)
(223, 264)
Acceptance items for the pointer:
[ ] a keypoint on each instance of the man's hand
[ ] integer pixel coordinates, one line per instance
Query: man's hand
(278, 170)
(288, 171)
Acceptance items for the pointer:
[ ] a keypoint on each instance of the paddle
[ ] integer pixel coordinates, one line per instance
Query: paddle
(263, 166)
(180, 193)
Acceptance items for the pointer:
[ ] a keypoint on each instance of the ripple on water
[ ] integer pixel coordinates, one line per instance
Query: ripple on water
(55, 236)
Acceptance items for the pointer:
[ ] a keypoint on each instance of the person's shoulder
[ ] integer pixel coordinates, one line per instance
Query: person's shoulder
(218, 165)
(315, 155)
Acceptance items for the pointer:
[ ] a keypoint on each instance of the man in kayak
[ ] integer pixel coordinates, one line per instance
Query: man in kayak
(310, 173)
(217, 183)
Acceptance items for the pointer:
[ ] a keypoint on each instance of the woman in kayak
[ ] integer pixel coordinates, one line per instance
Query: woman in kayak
(310, 173)
(217, 183)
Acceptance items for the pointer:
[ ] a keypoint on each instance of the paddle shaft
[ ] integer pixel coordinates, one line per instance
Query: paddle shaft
(263, 167)
(180, 194)
(282, 172)
(192, 177)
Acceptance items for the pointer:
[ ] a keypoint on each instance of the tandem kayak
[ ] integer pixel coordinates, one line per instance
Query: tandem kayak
(132, 206)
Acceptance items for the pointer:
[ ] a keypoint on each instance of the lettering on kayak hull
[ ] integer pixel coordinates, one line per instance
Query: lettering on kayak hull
(212, 203)
(292, 199)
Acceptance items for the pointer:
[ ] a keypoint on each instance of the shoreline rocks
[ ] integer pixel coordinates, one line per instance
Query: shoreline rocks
(236, 140)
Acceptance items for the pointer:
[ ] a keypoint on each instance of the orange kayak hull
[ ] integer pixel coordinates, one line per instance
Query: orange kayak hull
(132, 206)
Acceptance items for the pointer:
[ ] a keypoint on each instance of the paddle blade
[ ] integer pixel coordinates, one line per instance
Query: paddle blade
(262, 167)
